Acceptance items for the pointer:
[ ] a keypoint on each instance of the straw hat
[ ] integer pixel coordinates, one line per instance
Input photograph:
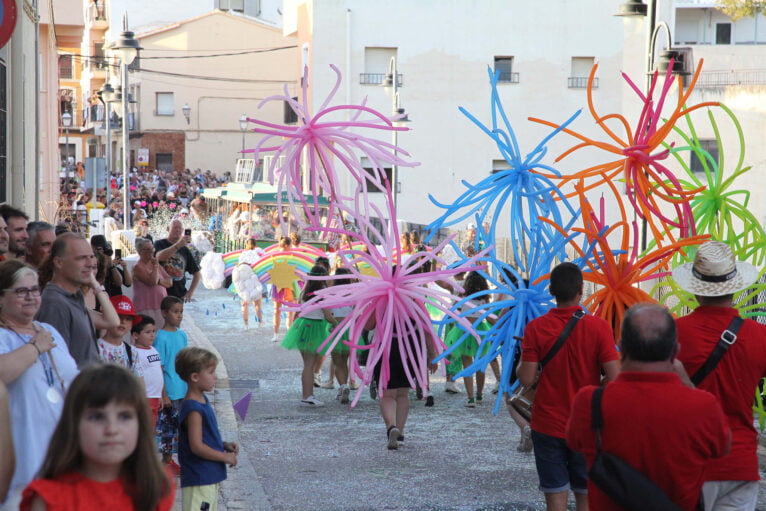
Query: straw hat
(714, 272)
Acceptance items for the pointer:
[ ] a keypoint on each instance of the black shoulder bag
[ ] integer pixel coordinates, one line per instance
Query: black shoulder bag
(728, 337)
(624, 484)
(523, 397)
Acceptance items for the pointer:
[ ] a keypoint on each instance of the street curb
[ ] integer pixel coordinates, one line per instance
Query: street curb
(242, 488)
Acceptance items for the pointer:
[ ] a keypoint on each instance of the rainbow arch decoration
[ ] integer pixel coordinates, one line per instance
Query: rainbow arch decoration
(302, 262)
(231, 259)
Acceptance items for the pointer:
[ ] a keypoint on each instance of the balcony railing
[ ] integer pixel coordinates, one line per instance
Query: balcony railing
(580, 82)
(94, 14)
(378, 78)
(508, 78)
(717, 79)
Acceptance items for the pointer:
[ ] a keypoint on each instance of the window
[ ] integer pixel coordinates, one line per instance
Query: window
(711, 146)
(723, 33)
(373, 187)
(581, 68)
(499, 166)
(65, 67)
(377, 64)
(290, 117)
(231, 5)
(66, 97)
(99, 60)
(164, 161)
(164, 103)
(504, 66)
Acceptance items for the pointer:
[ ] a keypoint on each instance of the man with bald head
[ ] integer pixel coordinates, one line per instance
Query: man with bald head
(652, 419)
(177, 260)
(62, 302)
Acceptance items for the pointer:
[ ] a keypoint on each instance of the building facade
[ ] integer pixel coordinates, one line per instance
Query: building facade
(544, 53)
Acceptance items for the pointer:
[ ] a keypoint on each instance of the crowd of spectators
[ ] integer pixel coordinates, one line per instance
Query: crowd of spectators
(151, 192)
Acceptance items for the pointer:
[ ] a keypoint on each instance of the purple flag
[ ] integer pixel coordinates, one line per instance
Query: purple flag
(242, 405)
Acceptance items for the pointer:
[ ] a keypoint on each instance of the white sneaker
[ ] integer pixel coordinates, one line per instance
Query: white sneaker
(393, 435)
(312, 402)
(328, 385)
(275, 338)
(496, 388)
(452, 388)
(317, 380)
(344, 392)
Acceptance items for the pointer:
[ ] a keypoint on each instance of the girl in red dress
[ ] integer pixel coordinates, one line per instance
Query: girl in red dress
(102, 454)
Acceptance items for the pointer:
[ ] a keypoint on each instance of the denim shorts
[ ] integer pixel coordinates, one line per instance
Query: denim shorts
(559, 468)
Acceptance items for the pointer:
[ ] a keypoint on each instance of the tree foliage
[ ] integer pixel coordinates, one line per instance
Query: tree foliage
(738, 9)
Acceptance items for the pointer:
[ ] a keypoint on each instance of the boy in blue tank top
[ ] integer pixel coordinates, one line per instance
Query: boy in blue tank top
(201, 452)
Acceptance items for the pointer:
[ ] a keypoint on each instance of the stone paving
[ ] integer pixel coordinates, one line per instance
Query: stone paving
(334, 457)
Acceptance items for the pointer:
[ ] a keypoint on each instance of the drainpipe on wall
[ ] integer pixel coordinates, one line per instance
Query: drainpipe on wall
(38, 160)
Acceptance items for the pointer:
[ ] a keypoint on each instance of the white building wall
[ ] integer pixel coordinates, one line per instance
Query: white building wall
(443, 50)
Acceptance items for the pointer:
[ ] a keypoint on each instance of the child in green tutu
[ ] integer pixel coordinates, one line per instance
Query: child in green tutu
(307, 333)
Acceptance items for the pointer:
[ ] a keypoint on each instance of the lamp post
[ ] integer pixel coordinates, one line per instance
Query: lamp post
(186, 109)
(637, 8)
(105, 95)
(391, 84)
(126, 48)
(243, 129)
(66, 120)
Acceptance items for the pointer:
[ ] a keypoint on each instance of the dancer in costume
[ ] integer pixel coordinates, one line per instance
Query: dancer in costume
(474, 283)
(395, 399)
(306, 335)
(453, 363)
(341, 350)
(247, 284)
(281, 296)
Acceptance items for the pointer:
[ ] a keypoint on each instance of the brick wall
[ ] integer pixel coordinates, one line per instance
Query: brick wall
(169, 143)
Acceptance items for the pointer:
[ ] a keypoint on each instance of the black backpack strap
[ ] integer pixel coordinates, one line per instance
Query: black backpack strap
(579, 313)
(597, 420)
(129, 351)
(728, 337)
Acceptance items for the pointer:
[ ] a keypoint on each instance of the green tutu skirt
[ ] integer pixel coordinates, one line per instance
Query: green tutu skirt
(470, 345)
(340, 347)
(454, 362)
(306, 335)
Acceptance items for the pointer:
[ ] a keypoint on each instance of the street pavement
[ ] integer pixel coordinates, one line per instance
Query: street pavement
(334, 457)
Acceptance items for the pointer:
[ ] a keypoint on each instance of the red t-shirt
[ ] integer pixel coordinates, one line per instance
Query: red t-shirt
(75, 492)
(661, 427)
(577, 364)
(733, 382)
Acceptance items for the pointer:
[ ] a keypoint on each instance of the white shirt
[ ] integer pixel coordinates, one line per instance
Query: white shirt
(151, 366)
(33, 416)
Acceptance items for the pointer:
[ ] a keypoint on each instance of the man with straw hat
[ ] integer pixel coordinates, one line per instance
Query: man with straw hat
(726, 356)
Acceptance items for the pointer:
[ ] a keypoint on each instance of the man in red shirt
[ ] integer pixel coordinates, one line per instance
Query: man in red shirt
(714, 277)
(588, 349)
(663, 428)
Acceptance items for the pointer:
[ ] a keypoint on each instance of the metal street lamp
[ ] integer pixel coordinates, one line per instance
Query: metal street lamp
(637, 8)
(186, 109)
(391, 84)
(632, 8)
(66, 121)
(105, 95)
(126, 48)
(243, 129)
